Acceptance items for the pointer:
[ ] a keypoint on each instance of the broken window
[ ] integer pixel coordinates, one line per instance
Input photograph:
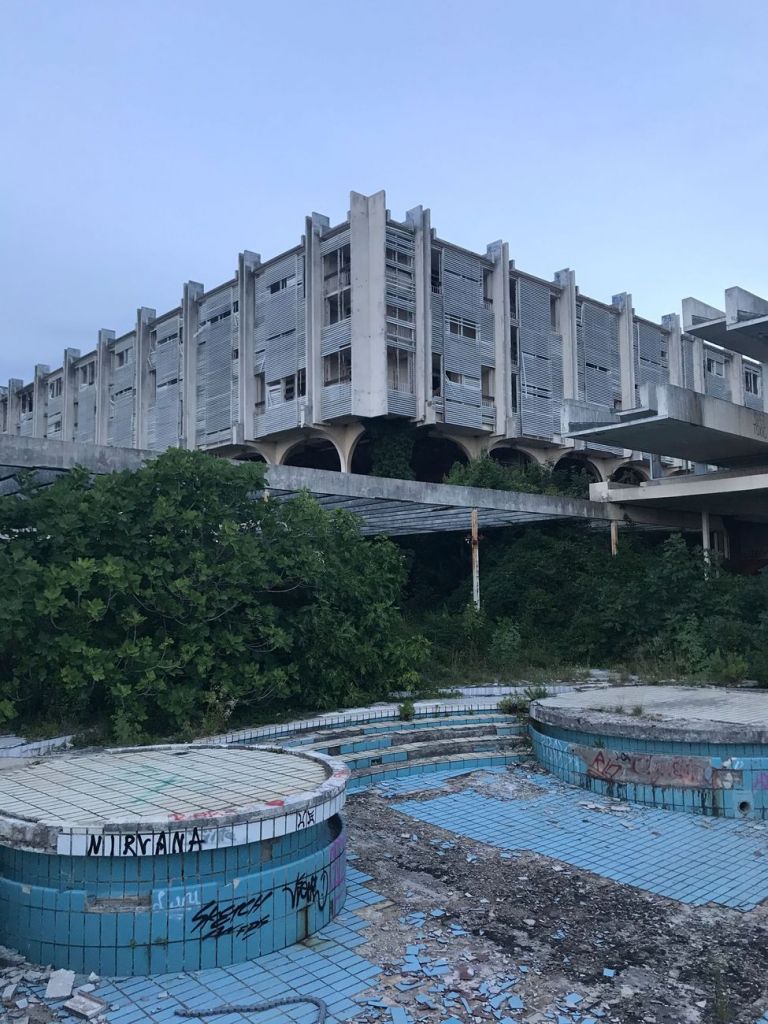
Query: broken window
(487, 285)
(26, 401)
(437, 271)
(87, 374)
(301, 383)
(123, 357)
(513, 297)
(399, 369)
(260, 393)
(400, 323)
(462, 327)
(553, 313)
(714, 366)
(513, 392)
(514, 346)
(282, 284)
(336, 286)
(337, 367)
(437, 374)
(153, 386)
(488, 384)
(751, 381)
(54, 388)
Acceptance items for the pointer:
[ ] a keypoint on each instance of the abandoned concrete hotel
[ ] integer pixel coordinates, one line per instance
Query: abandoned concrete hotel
(376, 317)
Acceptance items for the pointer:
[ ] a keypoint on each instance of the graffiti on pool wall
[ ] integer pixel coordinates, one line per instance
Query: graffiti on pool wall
(154, 844)
(309, 889)
(678, 771)
(230, 917)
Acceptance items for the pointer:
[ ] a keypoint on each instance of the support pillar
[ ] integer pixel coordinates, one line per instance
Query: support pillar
(475, 545)
(419, 220)
(566, 279)
(193, 292)
(144, 318)
(626, 349)
(247, 265)
(706, 535)
(367, 242)
(316, 226)
(674, 348)
(101, 428)
(614, 538)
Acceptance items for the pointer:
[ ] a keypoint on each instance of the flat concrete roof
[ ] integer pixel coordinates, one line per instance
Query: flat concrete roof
(741, 493)
(164, 789)
(687, 425)
(681, 713)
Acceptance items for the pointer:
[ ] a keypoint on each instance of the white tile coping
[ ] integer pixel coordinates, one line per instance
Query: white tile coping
(127, 833)
(486, 700)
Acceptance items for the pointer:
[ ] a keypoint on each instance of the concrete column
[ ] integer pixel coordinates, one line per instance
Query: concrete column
(419, 220)
(706, 536)
(674, 348)
(68, 393)
(144, 318)
(475, 545)
(499, 253)
(368, 222)
(247, 264)
(15, 384)
(102, 375)
(190, 304)
(566, 279)
(699, 384)
(626, 349)
(316, 225)
(735, 371)
(40, 400)
(763, 385)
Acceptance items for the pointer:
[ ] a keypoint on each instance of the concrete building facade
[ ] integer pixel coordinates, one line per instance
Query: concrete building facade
(291, 358)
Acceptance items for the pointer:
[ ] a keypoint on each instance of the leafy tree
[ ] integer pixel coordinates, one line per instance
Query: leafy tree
(532, 478)
(172, 600)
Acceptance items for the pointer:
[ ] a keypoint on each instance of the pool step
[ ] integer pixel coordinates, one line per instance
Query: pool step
(469, 761)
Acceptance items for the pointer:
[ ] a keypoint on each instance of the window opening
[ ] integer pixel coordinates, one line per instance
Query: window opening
(437, 271)
(337, 367)
(336, 286)
(462, 328)
(437, 374)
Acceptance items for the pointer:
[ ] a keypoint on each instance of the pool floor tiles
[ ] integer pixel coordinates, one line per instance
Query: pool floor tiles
(325, 965)
(684, 857)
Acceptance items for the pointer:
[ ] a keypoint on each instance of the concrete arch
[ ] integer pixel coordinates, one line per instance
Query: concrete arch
(534, 456)
(434, 454)
(512, 455)
(316, 452)
(630, 473)
(574, 461)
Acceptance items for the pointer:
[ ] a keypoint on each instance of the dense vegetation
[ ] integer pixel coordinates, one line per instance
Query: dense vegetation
(554, 598)
(170, 602)
(174, 602)
(532, 478)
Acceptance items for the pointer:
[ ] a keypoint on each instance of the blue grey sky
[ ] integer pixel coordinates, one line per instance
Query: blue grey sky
(146, 143)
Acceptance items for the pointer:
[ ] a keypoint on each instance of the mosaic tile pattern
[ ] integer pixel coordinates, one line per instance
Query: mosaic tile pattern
(562, 752)
(326, 965)
(686, 858)
(146, 783)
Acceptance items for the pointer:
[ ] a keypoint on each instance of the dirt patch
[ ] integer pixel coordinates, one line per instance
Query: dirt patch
(622, 955)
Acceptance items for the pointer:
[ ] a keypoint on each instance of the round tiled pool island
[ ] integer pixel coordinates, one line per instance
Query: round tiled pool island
(697, 749)
(154, 859)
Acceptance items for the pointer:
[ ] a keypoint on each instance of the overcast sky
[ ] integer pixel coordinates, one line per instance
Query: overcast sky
(147, 143)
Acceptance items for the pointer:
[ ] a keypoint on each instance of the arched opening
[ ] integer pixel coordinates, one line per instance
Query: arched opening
(250, 456)
(628, 475)
(362, 455)
(314, 453)
(577, 466)
(433, 457)
(509, 456)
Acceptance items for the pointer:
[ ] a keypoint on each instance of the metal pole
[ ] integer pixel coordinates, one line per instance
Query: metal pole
(614, 537)
(706, 540)
(475, 544)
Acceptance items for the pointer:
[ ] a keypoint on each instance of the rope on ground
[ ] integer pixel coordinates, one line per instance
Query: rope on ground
(269, 1004)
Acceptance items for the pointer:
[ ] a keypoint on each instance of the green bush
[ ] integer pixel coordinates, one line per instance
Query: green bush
(169, 602)
(407, 711)
(504, 647)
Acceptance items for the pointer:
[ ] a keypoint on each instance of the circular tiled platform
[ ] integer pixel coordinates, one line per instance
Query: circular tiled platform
(698, 749)
(169, 858)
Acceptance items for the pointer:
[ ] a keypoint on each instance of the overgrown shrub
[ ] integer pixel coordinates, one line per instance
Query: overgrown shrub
(407, 711)
(170, 601)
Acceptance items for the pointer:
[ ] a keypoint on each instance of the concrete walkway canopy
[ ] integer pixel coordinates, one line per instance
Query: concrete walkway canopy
(742, 327)
(392, 507)
(678, 422)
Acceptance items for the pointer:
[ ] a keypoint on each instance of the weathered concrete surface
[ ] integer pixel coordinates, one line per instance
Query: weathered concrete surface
(687, 425)
(684, 714)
